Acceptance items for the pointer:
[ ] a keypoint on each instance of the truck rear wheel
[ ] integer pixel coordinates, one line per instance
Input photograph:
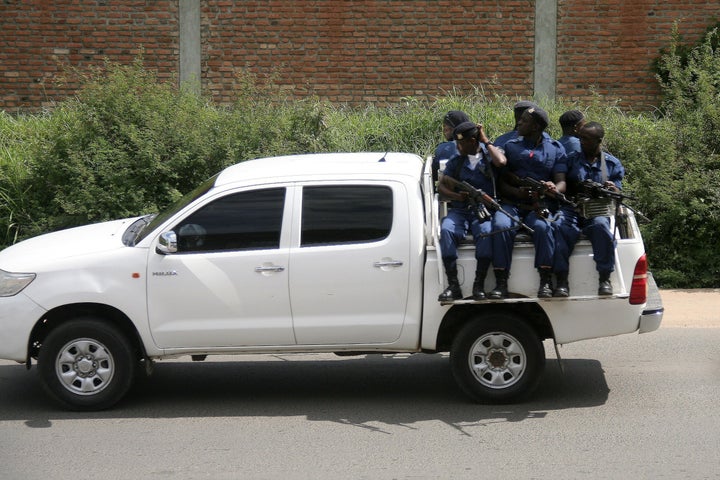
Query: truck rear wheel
(86, 364)
(497, 359)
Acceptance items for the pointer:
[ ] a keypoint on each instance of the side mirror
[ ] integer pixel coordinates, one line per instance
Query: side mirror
(167, 243)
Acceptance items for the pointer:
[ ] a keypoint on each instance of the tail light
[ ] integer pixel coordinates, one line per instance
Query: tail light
(639, 288)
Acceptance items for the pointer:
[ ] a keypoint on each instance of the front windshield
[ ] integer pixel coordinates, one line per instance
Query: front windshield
(154, 221)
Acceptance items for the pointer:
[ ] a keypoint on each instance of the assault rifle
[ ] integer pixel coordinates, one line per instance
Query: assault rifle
(480, 202)
(591, 189)
(541, 190)
(538, 191)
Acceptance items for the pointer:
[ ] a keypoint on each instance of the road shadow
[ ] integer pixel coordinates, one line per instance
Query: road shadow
(362, 391)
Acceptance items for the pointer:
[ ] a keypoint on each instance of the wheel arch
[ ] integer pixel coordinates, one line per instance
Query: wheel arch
(60, 315)
(459, 315)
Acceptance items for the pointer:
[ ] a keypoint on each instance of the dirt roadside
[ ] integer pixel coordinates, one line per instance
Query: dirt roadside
(691, 308)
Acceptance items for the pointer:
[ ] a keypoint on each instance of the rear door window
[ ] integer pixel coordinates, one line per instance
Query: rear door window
(345, 214)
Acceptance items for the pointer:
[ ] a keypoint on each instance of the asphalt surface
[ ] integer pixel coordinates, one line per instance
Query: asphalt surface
(631, 406)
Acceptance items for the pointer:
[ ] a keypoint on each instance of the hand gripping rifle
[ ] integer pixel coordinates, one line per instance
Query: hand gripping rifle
(538, 187)
(480, 202)
(537, 191)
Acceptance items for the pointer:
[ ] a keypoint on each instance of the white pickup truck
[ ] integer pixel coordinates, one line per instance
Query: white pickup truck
(309, 253)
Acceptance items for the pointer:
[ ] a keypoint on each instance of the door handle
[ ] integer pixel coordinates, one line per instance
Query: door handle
(269, 268)
(388, 263)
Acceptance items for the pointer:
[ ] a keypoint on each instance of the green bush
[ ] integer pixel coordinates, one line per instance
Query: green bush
(686, 232)
(126, 144)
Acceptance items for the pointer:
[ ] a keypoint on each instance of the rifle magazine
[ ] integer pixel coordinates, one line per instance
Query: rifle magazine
(597, 207)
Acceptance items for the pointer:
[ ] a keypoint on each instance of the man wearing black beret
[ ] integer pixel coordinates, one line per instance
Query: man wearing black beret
(473, 164)
(518, 109)
(533, 154)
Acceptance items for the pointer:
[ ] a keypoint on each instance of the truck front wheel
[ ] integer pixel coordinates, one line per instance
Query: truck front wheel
(86, 364)
(497, 359)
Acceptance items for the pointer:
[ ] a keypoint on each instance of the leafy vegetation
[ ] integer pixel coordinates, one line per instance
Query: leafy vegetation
(128, 144)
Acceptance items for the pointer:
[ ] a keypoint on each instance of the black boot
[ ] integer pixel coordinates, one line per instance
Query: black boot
(562, 288)
(501, 285)
(605, 288)
(478, 291)
(452, 292)
(545, 289)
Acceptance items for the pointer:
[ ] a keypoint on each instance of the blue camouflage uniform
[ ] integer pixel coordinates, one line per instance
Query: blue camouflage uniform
(570, 143)
(569, 224)
(539, 162)
(504, 138)
(460, 218)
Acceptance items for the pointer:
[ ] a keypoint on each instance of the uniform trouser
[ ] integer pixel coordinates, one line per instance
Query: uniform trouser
(453, 229)
(569, 225)
(503, 243)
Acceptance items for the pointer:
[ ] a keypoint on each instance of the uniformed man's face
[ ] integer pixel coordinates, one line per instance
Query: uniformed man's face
(447, 131)
(526, 125)
(467, 146)
(589, 140)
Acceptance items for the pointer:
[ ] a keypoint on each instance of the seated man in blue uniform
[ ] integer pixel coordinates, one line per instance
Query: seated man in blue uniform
(534, 155)
(474, 165)
(591, 163)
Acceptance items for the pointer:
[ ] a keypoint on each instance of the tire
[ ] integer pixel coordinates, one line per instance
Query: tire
(86, 364)
(497, 359)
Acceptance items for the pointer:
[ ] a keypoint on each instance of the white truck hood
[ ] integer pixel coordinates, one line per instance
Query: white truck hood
(31, 255)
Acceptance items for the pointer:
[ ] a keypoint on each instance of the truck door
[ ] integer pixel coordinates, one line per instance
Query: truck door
(227, 286)
(349, 264)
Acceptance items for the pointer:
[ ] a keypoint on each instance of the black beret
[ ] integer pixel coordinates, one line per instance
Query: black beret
(455, 117)
(465, 129)
(571, 118)
(540, 116)
(523, 105)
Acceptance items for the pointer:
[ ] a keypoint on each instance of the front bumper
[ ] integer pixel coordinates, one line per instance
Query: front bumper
(18, 315)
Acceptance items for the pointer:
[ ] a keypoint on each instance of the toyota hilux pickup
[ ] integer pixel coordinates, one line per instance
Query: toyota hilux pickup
(334, 253)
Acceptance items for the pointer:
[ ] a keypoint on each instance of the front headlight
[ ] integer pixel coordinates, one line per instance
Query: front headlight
(13, 283)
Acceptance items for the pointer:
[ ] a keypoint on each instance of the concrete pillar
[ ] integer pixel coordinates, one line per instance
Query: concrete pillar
(190, 48)
(545, 71)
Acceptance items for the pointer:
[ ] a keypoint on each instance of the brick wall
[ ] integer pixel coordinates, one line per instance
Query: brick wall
(349, 51)
(370, 51)
(39, 38)
(608, 45)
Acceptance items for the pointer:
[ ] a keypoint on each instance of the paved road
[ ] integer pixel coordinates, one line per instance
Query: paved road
(633, 406)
